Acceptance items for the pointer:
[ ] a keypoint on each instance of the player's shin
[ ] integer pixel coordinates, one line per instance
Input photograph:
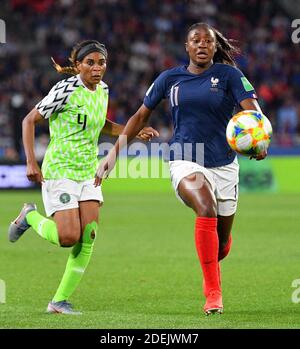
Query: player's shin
(78, 261)
(223, 252)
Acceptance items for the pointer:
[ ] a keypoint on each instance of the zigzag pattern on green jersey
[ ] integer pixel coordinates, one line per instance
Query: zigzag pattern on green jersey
(76, 118)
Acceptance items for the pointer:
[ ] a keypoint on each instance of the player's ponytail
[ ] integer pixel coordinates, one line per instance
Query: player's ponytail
(84, 48)
(225, 48)
(64, 70)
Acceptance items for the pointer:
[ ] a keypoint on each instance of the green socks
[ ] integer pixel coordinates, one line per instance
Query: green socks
(45, 227)
(79, 257)
(78, 261)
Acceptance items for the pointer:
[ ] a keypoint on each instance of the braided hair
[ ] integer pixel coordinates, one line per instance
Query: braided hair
(225, 49)
(72, 69)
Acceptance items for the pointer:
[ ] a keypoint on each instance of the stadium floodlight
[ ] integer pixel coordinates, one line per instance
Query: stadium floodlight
(2, 31)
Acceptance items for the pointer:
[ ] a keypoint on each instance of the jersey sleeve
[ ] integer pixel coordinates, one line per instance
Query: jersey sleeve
(156, 92)
(57, 97)
(104, 87)
(240, 86)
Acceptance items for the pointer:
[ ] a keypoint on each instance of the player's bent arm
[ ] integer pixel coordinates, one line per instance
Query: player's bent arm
(112, 129)
(134, 125)
(28, 128)
(250, 104)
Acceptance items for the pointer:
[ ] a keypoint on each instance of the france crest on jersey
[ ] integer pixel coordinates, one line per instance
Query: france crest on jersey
(201, 106)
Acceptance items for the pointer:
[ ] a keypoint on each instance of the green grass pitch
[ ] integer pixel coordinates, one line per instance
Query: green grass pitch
(144, 272)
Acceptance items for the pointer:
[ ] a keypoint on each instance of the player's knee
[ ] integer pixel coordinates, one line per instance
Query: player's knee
(68, 241)
(69, 238)
(90, 233)
(206, 209)
(204, 202)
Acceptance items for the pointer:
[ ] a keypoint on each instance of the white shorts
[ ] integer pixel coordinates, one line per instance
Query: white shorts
(63, 194)
(223, 180)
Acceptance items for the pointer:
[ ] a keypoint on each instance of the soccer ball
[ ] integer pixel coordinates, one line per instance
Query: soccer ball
(249, 132)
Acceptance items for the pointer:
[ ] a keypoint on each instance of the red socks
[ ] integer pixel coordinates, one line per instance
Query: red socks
(207, 245)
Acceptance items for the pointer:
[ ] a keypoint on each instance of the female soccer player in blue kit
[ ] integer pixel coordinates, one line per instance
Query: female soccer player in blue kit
(202, 98)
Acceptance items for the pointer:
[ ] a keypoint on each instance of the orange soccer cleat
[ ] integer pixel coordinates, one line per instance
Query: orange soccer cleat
(213, 303)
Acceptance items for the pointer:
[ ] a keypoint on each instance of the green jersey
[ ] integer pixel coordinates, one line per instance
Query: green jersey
(76, 117)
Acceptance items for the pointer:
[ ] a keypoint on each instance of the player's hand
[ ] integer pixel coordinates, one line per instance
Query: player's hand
(34, 173)
(104, 168)
(147, 133)
(260, 156)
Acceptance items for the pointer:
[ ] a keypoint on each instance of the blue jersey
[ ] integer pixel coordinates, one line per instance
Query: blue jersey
(201, 106)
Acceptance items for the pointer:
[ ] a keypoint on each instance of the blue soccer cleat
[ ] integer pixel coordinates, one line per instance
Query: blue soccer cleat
(18, 227)
(61, 307)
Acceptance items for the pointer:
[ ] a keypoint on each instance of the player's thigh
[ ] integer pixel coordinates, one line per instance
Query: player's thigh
(68, 226)
(194, 187)
(60, 195)
(90, 200)
(199, 197)
(89, 212)
(224, 228)
(226, 179)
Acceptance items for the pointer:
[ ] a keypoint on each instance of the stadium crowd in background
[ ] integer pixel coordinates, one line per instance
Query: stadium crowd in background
(144, 38)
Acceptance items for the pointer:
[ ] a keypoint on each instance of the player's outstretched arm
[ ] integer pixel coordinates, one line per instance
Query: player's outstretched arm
(252, 104)
(33, 170)
(133, 127)
(113, 129)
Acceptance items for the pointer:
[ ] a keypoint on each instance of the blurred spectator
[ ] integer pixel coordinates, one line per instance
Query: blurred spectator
(11, 154)
(287, 124)
(143, 38)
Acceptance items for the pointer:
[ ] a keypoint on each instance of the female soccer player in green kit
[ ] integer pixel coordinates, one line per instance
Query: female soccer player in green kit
(76, 108)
